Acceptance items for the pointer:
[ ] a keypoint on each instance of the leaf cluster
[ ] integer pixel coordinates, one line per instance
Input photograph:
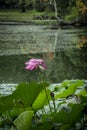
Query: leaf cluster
(42, 106)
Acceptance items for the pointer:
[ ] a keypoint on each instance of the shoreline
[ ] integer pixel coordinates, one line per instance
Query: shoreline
(31, 22)
(54, 24)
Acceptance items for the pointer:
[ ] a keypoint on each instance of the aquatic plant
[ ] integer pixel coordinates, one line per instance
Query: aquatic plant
(44, 106)
(35, 64)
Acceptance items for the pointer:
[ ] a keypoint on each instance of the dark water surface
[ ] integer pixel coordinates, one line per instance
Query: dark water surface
(64, 50)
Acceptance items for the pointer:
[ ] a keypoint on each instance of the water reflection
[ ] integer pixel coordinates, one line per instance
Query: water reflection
(64, 50)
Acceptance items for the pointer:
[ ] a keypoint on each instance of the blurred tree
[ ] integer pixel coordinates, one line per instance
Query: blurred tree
(82, 9)
(62, 6)
(38, 5)
(10, 4)
(22, 5)
(75, 8)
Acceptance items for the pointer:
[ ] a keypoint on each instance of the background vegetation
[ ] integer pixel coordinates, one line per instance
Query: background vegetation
(44, 9)
(66, 109)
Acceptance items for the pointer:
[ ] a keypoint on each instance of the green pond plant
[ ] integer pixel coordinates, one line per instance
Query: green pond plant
(45, 106)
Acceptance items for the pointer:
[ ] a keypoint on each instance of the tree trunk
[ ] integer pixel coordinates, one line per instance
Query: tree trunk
(23, 6)
(39, 5)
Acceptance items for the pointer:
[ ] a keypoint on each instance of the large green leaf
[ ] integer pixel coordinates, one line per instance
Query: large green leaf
(23, 96)
(70, 88)
(23, 121)
(41, 100)
(68, 83)
(65, 127)
(83, 99)
(28, 92)
(6, 103)
(69, 117)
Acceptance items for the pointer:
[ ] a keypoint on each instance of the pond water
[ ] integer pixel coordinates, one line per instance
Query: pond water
(64, 50)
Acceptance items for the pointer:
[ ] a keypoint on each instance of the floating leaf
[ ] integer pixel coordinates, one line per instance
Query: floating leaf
(70, 88)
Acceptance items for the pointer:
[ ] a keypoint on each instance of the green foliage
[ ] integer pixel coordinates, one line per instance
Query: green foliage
(73, 14)
(65, 127)
(69, 110)
(26, 91)
(73, 115)
(28, 108)
(41, 100)
(23, 121)
(23, 96)
(69, 88)
(68, 10)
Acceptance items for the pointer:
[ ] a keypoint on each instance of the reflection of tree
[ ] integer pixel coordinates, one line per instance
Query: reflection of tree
(67, 66)
(82, 41)
(84, 55)
(61, 67)
(69, 63)
(83, 48)
(49, 55)
(84, 58)
(14, 69)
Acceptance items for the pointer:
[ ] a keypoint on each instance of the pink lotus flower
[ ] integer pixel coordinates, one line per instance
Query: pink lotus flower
(35, 64)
